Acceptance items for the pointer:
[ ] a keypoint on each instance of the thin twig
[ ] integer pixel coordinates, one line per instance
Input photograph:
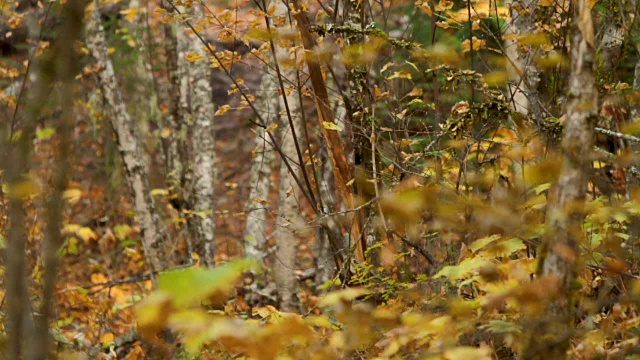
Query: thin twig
(618, 135)
(344, 212)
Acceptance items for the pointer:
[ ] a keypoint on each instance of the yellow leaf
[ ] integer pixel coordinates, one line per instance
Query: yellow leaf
(339, 296)
(165, 132)
(416, 91)
(129, 14)
(426, 8)
(461, 107)
(332, 126)
(107, 338)
(72, 194)
(159, 192)
(86, 234)
(22, 189)
(222, 109)
(468, 352)
(622, 86)
(496, 78)
(443, 25)
(400, 75)
(193, 56)
(444, 5)
(477, 44)
(271, 127)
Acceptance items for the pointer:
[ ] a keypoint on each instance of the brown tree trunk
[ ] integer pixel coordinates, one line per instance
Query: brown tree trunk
(66, 65)
(549, 338)
(342, 169)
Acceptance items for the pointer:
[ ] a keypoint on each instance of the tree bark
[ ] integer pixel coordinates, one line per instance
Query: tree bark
(524, 75)
(261, 169)
(560, 252)
(174, 145)
(131, 150)
(64, 60)
(202, 221)
(324, 260)
(288, 206)
(342, 169)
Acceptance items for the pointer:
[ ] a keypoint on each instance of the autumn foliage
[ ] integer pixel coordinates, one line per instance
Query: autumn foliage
(426, 179)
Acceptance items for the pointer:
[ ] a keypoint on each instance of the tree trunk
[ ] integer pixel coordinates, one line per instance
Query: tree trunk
(147, 109)
(360, 121)
(288, 206)
(325, 253)
(324, 261)
(549, 339)
(524, 75)
(177, 163)
(173, 143)
(342, 169)
(66, 65)
(131, 150)
(202, 221)
(261, 169)
(611, 45)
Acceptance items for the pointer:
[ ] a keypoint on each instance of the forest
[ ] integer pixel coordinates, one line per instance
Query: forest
(319, 179)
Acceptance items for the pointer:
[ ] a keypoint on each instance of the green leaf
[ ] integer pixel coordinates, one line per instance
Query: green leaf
(128, 243)
(482, 242)
(501, 327)
(464, 269)
(542, 187)
(121, 231)
(190, 286)
(45, 133)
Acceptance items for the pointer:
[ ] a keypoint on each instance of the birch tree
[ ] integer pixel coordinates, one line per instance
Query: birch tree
(175, 151)
(288, 206)
(324, 262)
(550, 338)
(202, 221)
(524, 75)
(189, 145)
(130, 147)
(261, 169)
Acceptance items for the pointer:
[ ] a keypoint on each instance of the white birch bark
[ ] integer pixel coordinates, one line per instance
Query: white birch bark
(131, 150)
(610, 46)
(524, 75)
(288, 207)
(202, 221)
(324, 262)
(261, 169)
(149, 110)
